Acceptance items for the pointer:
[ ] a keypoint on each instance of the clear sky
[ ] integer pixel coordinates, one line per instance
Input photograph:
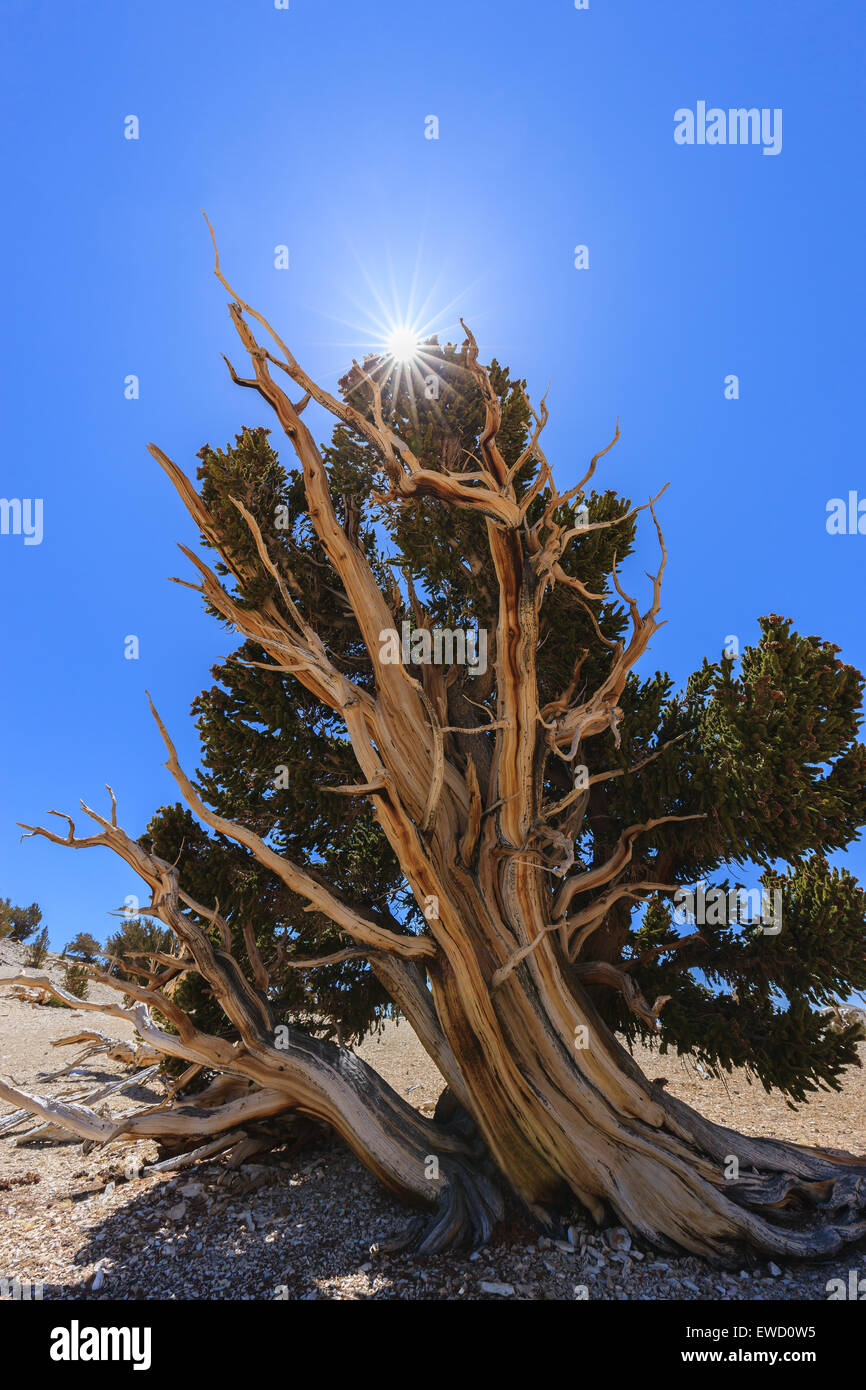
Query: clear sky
(306, 128)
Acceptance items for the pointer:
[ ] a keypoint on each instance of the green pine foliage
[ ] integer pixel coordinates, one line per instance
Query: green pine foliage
(84, 947)
(17, 923)
(76, 979)
(37, 950)
(136, 937)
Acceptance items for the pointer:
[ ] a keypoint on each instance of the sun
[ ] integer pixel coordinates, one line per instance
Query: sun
(403, 344)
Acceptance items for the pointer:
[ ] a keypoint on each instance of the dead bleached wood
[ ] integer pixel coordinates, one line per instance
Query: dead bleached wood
(55, 1132)
(88, 1096)
(216, 1146)
(68, 1115)
(29, 994)
(116, 1049)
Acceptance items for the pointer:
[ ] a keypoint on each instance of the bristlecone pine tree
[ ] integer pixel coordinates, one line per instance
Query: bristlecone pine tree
(18, 922)
(491, 851)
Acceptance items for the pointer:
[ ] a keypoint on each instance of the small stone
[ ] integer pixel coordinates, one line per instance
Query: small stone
(192, 1189)
(98, 1281)
(177, 1213)
(774, 1270)
(618, 1238)
(489, 1286)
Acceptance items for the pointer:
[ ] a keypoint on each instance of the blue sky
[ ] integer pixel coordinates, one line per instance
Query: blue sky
(306, 128)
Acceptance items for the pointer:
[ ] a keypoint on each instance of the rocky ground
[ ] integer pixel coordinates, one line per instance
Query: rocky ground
(86, 1226)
